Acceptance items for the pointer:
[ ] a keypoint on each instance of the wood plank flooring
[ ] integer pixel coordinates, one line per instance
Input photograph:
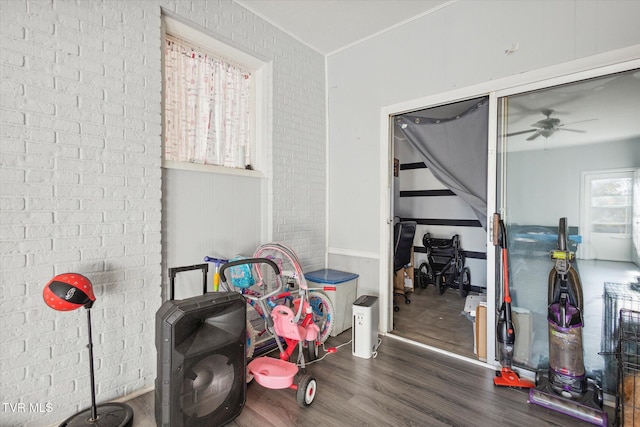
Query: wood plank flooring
(405, 385)
(435, 320)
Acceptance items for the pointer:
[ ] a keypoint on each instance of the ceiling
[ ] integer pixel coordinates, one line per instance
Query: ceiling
(592, 111)
(600, 110)
(328, 26)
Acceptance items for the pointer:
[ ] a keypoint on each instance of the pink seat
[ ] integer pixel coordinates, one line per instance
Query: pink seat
(312, 330)
(283, 323)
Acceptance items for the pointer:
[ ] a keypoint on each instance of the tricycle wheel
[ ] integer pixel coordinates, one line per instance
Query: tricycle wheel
(306, 390)
(312, 350)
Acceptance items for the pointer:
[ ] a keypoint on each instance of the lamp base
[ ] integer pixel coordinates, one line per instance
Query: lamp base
(108, 415)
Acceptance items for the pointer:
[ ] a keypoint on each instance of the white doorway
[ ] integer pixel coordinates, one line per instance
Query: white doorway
(607, 215)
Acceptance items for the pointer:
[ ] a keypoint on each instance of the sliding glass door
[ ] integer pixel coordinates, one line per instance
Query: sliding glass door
(568, 151)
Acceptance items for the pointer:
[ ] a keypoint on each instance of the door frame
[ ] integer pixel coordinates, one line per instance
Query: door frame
(593, 66)
(387, 208)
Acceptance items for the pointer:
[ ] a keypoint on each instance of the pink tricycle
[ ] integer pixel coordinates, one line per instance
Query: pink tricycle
(295, 328)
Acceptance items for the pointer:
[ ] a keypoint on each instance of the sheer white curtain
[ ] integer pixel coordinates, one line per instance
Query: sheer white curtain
(207, 108)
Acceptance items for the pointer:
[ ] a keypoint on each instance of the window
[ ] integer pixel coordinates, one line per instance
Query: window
(211, 103)
(611, 205)
(207, 107)
(607, 215)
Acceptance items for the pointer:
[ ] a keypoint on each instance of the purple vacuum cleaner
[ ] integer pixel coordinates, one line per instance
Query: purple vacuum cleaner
(566, 388)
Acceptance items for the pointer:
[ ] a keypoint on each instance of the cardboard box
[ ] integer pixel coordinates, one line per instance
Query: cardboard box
(398, 281)
(472, 305)
(403, 278)
(481, 331)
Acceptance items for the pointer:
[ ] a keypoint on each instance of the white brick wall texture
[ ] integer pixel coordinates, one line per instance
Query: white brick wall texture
(80, 185)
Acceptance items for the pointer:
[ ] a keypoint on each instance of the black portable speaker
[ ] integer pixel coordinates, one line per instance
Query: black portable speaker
(201, 346)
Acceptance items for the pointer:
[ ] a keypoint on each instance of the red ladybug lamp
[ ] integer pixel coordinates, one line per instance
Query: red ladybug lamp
(70, 291)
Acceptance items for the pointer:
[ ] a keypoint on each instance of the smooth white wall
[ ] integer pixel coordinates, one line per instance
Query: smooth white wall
(536, 205)
(210, 214)
(455, 47)
(80, 117)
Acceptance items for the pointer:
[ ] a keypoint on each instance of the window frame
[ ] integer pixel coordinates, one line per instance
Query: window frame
(586, 219)
(260, 141)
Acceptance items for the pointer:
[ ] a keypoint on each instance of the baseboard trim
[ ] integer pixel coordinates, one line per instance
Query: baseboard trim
(441, 351)
(135, 394)
(353, 253)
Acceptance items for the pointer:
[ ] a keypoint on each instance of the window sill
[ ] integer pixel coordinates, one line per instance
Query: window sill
(197, 167)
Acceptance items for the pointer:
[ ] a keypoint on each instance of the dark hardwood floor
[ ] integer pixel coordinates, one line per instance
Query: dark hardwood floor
(405, 385)
(436, 320)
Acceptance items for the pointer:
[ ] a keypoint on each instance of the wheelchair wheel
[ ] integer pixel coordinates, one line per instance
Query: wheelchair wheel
(464, 284)
(440, 283)
(425, 275)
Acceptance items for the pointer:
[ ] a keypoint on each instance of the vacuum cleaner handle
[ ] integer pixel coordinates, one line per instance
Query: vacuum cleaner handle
(499, 236)
(562, 234)
(505, 273)
(503, 235)
(496, 229)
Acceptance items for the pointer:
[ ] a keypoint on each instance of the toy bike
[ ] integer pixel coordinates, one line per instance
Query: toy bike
(295, 329)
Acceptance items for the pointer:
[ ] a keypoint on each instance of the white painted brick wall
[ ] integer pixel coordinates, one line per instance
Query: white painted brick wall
(299, 210)
(80, 184)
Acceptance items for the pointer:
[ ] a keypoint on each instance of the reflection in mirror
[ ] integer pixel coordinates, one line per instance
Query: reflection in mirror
(572, 151)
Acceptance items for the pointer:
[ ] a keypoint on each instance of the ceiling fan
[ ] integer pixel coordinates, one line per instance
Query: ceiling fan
(548, 126)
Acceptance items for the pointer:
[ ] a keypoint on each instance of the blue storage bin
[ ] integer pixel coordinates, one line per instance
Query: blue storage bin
(329, 276)
(340, 287)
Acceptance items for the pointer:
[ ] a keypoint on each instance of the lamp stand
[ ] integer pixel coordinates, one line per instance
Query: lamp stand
(111, 414)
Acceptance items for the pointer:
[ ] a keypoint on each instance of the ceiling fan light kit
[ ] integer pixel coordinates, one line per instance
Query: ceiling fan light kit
(548, 126)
